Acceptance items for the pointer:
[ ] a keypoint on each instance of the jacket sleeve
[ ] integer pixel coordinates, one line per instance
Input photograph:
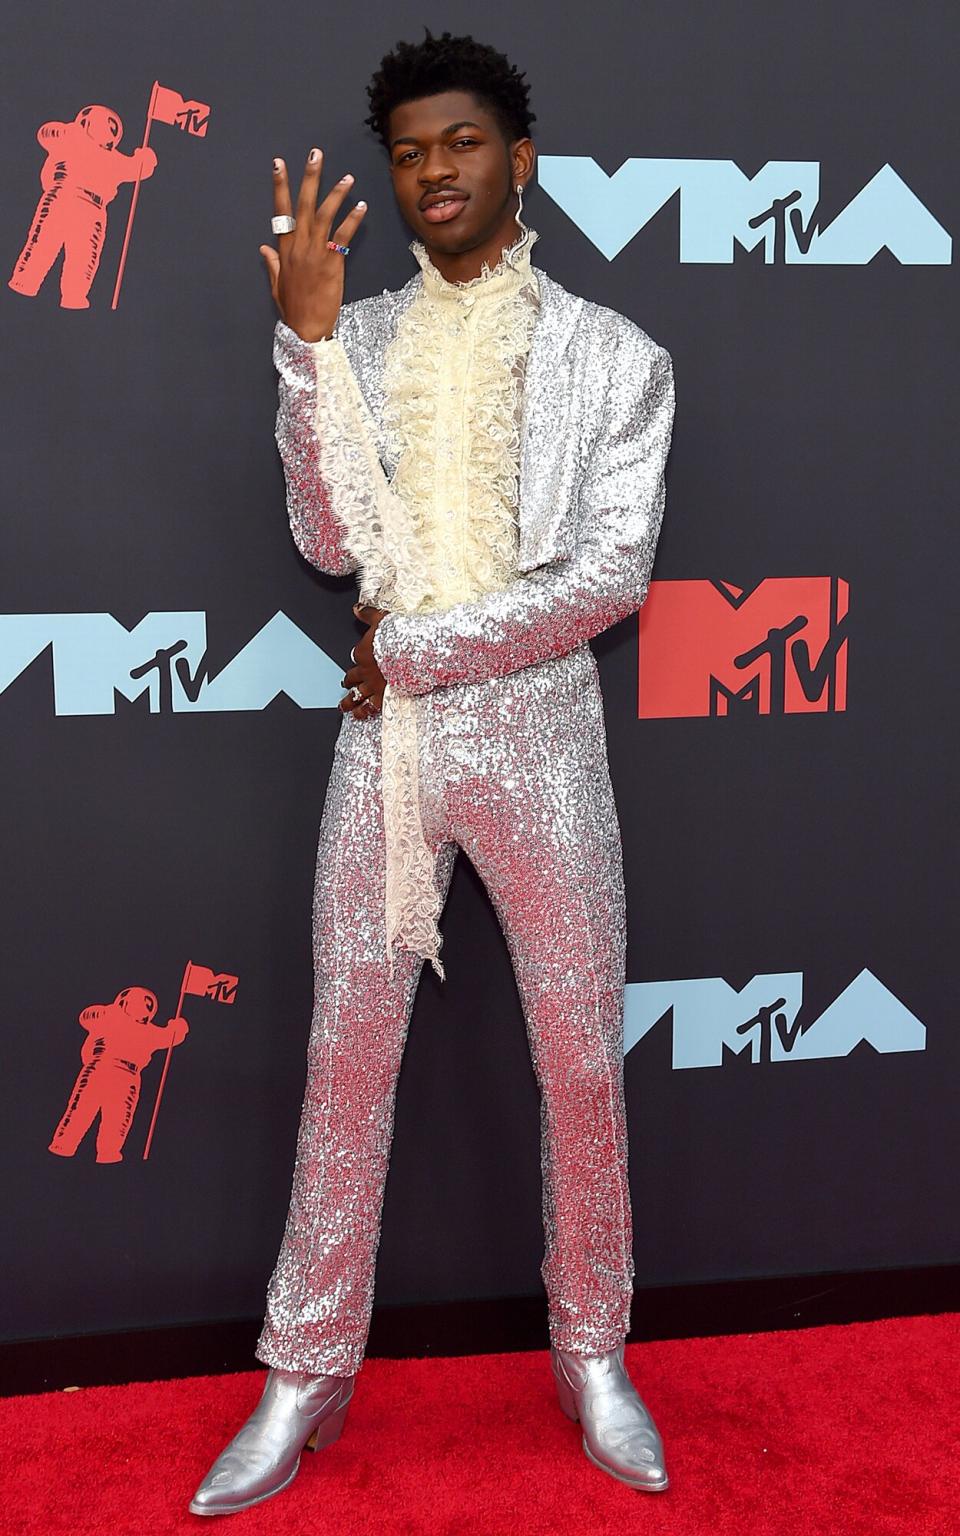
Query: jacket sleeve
(554, 609)
(334, 478)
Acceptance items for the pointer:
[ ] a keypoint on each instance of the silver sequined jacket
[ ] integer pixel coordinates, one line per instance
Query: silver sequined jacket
(597, 420)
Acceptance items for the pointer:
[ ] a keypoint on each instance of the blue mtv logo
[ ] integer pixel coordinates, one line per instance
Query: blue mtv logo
(711, 1019)
(721, 208)
(164, 658)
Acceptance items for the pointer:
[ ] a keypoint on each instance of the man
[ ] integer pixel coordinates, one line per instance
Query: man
(486, 451)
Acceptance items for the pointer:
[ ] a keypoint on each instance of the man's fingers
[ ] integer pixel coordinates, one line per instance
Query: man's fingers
(272, 264)
(346, 231)
(307, 198)
(281, 199)
(360, 708)
(365, 710)
(329, 208)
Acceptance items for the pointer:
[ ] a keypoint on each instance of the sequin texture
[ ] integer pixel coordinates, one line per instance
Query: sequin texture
(511, 768)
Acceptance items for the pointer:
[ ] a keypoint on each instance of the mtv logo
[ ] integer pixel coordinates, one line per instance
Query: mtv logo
(712, 648)
(712, 1021)
(721, 209)
(163, 659)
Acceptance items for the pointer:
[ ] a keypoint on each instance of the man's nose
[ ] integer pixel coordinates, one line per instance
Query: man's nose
(436, 165)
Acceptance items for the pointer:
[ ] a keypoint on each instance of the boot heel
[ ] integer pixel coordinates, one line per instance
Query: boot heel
(329, 1430)
(567, 1400)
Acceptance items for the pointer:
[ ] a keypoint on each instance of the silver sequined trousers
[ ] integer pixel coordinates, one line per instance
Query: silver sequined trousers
(514, 771)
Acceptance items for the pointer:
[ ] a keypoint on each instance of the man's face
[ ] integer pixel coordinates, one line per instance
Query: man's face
(451, 144)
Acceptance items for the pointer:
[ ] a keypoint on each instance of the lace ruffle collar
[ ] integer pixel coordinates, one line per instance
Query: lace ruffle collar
(514, 265)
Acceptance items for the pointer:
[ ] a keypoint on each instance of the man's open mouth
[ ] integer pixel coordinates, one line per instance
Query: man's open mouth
(440, 209)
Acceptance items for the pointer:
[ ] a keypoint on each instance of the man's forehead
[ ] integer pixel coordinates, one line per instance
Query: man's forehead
(434, 115)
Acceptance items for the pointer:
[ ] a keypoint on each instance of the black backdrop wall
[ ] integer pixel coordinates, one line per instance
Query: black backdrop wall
(770, 191)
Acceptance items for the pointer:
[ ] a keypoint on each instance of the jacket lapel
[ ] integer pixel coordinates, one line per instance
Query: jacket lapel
(548, 436)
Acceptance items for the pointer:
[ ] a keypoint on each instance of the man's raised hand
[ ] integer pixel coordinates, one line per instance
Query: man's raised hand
(306, 277)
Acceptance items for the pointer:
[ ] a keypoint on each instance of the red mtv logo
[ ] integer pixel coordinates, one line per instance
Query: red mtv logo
(712, 648)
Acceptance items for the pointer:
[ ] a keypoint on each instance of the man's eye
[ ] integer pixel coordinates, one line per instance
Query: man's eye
(413, 151)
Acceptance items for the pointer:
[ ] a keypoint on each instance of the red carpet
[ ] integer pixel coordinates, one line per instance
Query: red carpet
(835, 1431)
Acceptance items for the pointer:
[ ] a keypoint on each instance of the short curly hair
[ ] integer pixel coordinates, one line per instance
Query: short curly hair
(448, 63)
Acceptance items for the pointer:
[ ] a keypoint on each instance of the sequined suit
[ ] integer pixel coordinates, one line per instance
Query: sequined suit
(501, 532)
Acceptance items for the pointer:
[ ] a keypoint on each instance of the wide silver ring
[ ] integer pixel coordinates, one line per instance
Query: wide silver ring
(283, 223)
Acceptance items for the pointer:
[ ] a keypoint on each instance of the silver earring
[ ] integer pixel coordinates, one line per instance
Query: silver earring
(517, 219)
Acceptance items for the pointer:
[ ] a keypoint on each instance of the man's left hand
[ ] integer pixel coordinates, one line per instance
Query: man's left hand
(365, 674)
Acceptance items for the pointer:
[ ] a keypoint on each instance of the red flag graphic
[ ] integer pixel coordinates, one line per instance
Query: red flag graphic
(170, 107)
(201, 982)
(165, 106)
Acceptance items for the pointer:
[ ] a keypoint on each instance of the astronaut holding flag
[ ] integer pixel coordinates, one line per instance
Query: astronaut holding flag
(81, 176)
(121, 1039)
(82, 173)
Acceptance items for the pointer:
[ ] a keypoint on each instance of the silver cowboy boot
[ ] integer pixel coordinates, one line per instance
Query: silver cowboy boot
(296, 1409)
(619, 1435)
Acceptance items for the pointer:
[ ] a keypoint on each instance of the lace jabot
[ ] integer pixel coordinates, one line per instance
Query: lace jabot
(453, 377)
(511, 271)
(445, 528)
(452, 380)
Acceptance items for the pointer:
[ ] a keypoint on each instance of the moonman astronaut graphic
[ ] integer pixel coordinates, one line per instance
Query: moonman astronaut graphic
(80, 176)
(121, 1039)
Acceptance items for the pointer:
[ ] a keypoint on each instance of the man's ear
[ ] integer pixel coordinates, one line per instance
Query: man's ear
(524, 161)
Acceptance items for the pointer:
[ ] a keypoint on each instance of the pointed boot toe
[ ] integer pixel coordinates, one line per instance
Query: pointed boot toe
(263, 1458)
(619, 1435)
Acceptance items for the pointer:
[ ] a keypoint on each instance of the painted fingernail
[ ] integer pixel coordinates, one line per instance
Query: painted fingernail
(313, 156)
(361, 205)
(278, 165)
(345, 180)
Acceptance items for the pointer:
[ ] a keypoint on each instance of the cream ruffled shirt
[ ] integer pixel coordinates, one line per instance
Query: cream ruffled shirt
(453, 384)
(445, 529)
